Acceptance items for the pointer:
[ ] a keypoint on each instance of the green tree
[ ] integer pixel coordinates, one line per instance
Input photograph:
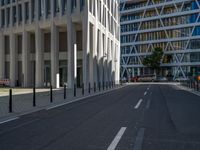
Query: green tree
(154, 60)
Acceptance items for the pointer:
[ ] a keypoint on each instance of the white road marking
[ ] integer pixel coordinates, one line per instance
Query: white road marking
(139, 139)
(117, 138)
(8, 120)
(138, 104)
(148, 104)
(145, 93)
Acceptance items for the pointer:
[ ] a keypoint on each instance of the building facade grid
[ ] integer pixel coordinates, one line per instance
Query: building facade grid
(173, 25)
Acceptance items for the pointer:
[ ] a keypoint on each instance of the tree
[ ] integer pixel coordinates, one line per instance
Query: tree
(154, 60)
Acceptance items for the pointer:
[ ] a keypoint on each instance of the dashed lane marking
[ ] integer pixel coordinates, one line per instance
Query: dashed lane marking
(138, 104)
(117, 138)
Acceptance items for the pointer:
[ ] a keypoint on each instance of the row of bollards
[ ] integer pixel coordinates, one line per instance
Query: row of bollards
(100, 86)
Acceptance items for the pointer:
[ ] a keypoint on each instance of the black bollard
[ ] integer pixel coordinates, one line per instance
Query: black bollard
(51, 94)
(83, 90)
(34, 101)
(89, 89)
(74, 90)
(10, 101)
(65, 91)
(103, 86)
(94, 87)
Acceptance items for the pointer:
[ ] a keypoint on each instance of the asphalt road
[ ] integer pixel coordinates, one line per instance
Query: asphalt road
(137, 117)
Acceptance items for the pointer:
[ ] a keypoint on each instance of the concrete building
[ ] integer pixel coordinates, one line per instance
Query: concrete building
(59, 41)
(173, 25)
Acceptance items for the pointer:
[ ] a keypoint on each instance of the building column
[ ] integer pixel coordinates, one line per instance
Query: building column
(109, 61)
(138, 71)
(71, 42)
(117, 60)
(85, 37)
(26, 58)
(105, 59)
(39, 59)
(101, 55)
(95, 57)
(54, 56)
(91, 54)
(2, 56)
(13, 62)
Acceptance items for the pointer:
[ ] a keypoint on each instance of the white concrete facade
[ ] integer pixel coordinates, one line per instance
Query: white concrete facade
(43, 39)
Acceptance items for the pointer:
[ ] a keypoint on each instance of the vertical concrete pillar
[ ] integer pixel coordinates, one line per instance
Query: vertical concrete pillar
(2, 56)
(26, 58)
(91, 54)
(95, 57)
(86, 52)
(101, 56)
(13, 60)
(109, 60)
(54, 55)
(105, 59)
(138, 71)
(39, 59)
(71, 40)
(117, 77)
(114, 62)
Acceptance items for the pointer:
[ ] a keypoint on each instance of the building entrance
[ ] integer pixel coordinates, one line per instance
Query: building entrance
(63, 75)
(47, 75)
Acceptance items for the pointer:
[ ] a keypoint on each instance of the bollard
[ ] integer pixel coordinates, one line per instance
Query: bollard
(89, 89)
(65, 88)
(83, 89)
(51, 94)
(10, 101)
(103, 86)
(74, 90)
(34, 101)
(94, 87)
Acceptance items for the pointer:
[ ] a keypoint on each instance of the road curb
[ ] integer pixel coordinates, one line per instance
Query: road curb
(189, 90)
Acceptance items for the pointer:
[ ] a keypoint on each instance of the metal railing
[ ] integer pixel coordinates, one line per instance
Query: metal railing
(191, 84)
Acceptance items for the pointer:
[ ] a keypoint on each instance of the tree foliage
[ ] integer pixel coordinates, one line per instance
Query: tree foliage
(154, 60)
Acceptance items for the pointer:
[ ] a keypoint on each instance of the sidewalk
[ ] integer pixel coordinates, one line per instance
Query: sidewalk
(23, 103)
(189, 89)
